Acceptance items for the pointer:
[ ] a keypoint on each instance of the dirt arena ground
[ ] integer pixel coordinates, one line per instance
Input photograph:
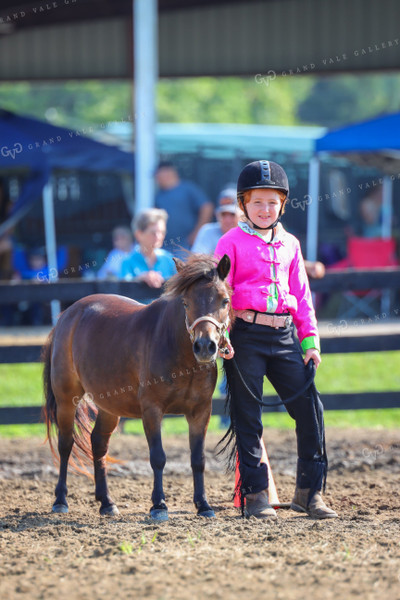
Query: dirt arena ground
(81, 555)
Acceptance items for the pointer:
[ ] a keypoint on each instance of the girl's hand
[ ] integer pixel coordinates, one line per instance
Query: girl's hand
(314, 354)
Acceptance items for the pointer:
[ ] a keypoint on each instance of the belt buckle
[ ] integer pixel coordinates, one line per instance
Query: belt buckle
(288, 320)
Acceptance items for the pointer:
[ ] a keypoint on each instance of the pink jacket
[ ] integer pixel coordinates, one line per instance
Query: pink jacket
(270, 277)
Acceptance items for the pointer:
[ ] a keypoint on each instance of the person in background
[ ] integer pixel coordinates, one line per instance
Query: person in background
(315, 269)
(371, 213)
(123, 246)
(7, 270)
(227, 214)
(149, 262)
(6, 242)
(37, 269)
(187, 206)
(6, 273)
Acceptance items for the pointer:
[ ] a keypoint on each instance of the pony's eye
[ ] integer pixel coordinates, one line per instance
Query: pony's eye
(185, 304)
(225, 302)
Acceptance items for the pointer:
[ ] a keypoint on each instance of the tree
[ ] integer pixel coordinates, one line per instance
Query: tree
(329, 101)
(335, 101)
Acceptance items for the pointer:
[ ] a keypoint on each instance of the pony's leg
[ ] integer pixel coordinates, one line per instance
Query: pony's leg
(100, 437)
(152, 418)
(65, 421)
(197, 433)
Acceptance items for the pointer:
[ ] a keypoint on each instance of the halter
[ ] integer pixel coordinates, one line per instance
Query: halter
(220, 327)
(224, 345)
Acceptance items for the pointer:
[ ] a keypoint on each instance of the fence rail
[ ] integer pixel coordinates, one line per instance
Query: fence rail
(329, 345)
(69, 290)
(29, 415)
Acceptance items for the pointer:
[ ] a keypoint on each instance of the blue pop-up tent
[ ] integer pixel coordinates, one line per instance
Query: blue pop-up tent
(40, 148)
(36, 150)
(374, 143)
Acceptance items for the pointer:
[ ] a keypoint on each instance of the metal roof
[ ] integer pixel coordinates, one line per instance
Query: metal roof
(259, 38)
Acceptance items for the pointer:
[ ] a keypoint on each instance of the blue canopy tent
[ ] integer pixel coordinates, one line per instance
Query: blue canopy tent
(38, 149)
(374, 143)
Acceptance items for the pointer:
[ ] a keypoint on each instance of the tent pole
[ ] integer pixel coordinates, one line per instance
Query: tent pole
(51, 246)
(312, 211)
(387, 207)
(146, 72)
(387, 214)
(128, 192)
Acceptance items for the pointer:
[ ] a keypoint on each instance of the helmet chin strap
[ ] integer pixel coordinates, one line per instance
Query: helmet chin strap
(265, 228)
(262, 228)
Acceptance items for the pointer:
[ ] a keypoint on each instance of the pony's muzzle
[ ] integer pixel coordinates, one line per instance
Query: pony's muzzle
(205, 350)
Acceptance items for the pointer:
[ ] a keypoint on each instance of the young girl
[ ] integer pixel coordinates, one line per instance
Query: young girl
(270, 293)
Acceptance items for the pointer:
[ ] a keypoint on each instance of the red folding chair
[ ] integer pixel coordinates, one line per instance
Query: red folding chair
(371, 252)
(364, 253)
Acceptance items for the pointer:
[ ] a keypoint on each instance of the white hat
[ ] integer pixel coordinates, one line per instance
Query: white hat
(229, 208)
(227, 201)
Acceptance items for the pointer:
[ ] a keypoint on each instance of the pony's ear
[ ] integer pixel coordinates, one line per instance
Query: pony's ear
(224, 266)
(178, 263)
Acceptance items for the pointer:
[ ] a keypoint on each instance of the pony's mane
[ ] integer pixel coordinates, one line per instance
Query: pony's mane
(198, 266)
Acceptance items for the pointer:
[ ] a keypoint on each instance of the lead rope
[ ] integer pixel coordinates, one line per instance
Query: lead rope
(308, 383)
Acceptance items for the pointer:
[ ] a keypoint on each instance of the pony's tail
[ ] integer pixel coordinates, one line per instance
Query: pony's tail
(86, 413)
(82, 455)
(49, 409)
(227, 447)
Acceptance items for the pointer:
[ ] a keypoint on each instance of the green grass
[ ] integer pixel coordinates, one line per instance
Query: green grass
(21, 385)
(361, 372)
(355, 372)
(23, 431)
(385, 418)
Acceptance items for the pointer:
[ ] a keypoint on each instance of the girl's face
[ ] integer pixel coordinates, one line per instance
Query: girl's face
(263, 207)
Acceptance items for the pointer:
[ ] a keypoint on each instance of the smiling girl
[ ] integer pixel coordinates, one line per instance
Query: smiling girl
(270, 295)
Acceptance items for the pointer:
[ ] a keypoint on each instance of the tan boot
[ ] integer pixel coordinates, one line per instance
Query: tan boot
(257, 505)
(316, 508)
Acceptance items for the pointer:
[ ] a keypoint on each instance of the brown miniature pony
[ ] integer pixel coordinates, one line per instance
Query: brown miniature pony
(109, 356)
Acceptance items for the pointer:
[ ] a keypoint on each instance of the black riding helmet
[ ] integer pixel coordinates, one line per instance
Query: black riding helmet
(262, 174)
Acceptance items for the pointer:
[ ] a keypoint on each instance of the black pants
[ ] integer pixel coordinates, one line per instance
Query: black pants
(261, 350)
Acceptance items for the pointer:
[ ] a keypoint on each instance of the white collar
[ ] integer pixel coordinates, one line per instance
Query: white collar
(247, 228)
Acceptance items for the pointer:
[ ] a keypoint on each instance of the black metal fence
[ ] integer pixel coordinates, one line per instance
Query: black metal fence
(337, 341)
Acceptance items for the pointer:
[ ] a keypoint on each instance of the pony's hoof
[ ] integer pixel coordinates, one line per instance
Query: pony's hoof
(109, 511)
(59, 508)
(159, 514)
(209, 513)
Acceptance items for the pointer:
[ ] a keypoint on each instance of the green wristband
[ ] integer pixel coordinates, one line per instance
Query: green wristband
(311, 341)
